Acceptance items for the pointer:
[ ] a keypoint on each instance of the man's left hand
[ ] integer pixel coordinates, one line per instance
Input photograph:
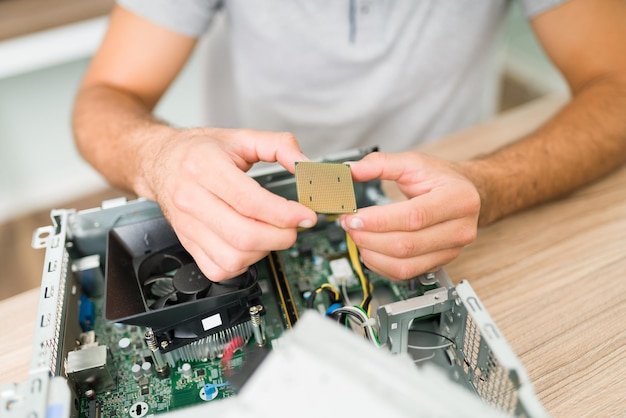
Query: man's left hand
(404, 239)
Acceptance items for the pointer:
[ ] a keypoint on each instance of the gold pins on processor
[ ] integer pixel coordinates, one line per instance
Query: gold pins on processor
(325, 187)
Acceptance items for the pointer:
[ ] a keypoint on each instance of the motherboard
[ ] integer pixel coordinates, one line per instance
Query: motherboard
(128, 382)
(128, 325)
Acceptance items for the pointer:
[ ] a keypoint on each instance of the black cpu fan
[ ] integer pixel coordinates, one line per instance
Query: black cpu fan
(152, 281)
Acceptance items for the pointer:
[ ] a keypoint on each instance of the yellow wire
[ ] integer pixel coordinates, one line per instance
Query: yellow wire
(331, 287)
(353, 252)
(331, 218)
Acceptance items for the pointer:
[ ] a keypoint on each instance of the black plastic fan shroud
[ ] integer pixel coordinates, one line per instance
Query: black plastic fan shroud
(143, 253)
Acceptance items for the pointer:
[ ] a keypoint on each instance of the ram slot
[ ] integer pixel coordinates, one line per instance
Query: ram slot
(283, 290)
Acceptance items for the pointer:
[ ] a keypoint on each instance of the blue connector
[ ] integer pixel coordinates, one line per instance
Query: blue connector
(86, 313)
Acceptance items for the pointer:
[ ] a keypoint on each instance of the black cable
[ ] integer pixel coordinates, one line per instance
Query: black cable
(331, 297)
(338, 316)
(367, 302)
(434, 333)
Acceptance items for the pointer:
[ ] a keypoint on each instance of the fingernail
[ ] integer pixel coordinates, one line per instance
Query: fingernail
(356, 223)
(306, 223)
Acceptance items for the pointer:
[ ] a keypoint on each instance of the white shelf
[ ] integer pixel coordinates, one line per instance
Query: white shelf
(55, 46)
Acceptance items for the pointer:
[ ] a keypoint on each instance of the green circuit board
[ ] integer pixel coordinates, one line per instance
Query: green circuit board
(139, 396)
(309, 264)
(319, 256)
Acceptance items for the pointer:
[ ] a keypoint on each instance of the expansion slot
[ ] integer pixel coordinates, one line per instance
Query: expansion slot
(53, 334)
(283, 289)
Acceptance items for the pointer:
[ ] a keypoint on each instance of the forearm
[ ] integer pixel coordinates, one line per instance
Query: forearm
(117, 134)
(584, 141)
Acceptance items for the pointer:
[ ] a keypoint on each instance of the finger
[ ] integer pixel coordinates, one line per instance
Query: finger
(415, 214)
(250, 199)
(243, 194)
(403, 245)
(378, 165)
(281, 147)
(217, 259)
(395, 269)
(211, 268)
(209, 215)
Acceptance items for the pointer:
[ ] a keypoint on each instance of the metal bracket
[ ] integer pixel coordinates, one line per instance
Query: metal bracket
(41, 237)
(394, 319)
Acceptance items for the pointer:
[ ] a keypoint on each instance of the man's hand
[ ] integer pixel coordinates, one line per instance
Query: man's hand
(421, 234)
(223, 217)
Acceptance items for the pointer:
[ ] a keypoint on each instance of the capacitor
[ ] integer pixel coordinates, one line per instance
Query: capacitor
(136, 370)
(318, 262)
(125, 345)
(186, 368)
(146, 368)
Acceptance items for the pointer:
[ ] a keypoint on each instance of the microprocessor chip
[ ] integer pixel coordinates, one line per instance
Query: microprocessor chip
(325, 187)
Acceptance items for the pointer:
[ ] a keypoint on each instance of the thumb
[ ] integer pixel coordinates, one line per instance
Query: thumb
(378, 165)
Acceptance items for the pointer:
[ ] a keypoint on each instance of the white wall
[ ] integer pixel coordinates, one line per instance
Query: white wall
(39, 166)
(525, 59)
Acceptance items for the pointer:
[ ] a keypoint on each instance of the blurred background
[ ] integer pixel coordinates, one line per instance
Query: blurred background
(46, 45)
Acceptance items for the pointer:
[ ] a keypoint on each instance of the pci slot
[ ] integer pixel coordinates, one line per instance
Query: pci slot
(283, 289)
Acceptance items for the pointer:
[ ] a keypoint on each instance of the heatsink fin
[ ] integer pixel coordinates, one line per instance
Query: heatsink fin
(211, 347)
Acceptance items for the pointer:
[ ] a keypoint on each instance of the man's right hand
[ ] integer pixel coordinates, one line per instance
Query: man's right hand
(222, 216)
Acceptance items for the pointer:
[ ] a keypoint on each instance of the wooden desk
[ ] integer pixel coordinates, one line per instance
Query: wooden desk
(553, 279)
(24, 17)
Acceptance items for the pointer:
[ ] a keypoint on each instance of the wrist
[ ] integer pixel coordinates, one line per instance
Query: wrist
(480, 173)
(151, 153)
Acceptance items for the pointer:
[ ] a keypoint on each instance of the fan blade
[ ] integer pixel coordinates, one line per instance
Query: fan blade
(190, 280)
(160, 303)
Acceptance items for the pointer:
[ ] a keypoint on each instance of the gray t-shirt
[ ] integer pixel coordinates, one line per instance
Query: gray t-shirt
(341, 74)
